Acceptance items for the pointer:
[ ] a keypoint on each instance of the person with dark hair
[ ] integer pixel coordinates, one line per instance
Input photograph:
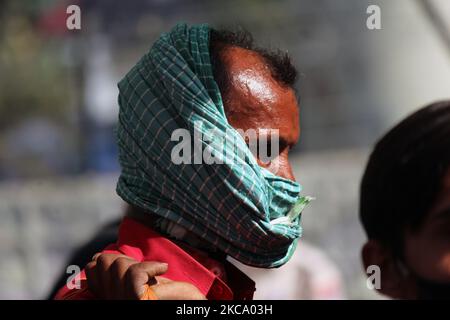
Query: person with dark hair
(405, 206)
(188, 214)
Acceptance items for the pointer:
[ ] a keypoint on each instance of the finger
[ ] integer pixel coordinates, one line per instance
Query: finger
(94, 258)
(140, 274)
(108, 257)
(103, 264)
(91, 276)
(117, 273)
(92, 279)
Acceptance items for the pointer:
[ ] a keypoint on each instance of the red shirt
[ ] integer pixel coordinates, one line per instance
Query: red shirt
(143, 244)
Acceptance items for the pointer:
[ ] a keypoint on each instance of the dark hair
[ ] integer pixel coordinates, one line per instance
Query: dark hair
(404, 175)
(279, 62)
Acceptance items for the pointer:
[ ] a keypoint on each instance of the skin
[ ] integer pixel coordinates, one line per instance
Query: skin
(116, 276)
(254, 101)
(257, 101)
(427, 251)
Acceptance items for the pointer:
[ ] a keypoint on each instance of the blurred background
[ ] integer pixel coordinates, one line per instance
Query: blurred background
(58, 109)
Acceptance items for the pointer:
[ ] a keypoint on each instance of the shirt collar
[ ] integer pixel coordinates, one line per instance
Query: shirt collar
(144, 244)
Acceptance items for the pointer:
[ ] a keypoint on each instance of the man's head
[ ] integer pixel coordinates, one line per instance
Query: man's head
(257, 91)
(405, 205)
(182, 162)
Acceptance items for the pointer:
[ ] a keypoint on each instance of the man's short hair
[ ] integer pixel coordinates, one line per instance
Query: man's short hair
(404, 175)
(279, 63)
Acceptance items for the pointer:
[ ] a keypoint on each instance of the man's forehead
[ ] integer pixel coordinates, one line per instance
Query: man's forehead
(257, 98)
(257, 84)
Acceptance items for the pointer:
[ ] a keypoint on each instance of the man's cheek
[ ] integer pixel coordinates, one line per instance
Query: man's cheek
(275, 167)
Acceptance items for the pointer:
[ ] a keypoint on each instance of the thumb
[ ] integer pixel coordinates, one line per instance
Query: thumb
(153, 268)
(141, 274)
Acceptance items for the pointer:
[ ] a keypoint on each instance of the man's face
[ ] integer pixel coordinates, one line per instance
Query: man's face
(427, 251)
(257, 101)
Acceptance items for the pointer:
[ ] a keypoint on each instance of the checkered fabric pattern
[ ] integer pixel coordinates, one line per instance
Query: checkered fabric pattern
(236, 206)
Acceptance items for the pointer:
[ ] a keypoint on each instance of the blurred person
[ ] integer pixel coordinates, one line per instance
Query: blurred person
(193, 215)
(309, 275)
(405, 206)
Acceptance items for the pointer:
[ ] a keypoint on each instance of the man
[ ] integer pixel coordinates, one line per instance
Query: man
(193, 214)
(405, 206)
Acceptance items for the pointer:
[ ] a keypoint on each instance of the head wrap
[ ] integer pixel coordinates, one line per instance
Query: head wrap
(237, 206)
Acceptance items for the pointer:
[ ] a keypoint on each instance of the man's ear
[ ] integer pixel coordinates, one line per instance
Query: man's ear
(392, 282)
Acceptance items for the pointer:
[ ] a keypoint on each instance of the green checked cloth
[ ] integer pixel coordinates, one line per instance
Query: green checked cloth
(236, 206)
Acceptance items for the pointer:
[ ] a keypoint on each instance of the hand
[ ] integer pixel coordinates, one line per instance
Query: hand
(117, 276)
